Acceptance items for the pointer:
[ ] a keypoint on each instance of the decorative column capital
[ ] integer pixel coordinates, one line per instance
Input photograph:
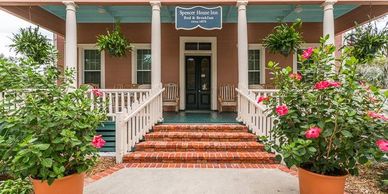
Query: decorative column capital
(328, 4)
(70, 5)
(155, 5)
(241, 4)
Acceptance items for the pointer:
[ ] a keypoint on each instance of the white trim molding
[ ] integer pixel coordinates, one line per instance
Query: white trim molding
(182, 67)
(262, 60)
(295, 55)
(81, 48)
(137, 46)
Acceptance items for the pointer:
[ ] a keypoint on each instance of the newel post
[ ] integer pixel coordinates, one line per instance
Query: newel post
(121, 128)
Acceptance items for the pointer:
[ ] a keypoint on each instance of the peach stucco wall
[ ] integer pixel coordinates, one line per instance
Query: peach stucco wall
(118, 70)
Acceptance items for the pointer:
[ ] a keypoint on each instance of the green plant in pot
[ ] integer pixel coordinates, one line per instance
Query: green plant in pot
(326, 121)
(48, 130)
(285, 39)
(114, 42)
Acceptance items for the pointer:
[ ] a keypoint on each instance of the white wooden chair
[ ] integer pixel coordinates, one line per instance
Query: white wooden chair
(171, 96)
(227, 97)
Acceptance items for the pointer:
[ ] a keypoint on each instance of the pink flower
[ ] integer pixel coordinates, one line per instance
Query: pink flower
(98, 142)
(282, 110)
(296, 76)
(375, 115)
(262, 98)
(97, 92)
(313, 133)
(322, 85)
(307, 53)
(335, 84)
(382, 144)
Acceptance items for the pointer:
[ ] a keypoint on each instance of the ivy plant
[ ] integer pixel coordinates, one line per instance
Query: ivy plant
(367, 42)
(285, 38)
(326, 121)
(114, 42)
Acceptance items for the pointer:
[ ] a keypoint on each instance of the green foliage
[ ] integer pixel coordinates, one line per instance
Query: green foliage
(30, 43)
(18, 186)
(348, 134)
(375, 72)
(285, 39)
(46, 128)
(114, 42)
(367, 42)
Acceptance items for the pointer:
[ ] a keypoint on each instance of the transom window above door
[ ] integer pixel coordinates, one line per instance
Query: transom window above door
(198, 46)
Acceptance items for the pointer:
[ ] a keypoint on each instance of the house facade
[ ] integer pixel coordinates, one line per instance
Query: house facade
(198, 59)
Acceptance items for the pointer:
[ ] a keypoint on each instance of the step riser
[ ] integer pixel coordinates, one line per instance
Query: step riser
(219, 139)
(201, 161)
(200, 149)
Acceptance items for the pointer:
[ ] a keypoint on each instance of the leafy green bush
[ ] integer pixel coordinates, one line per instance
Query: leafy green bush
(285, 39)
(326, 121)
(114, 43)
(18, 186)
(367, 42)
(30, 43)
(375, 72)
(47, 128)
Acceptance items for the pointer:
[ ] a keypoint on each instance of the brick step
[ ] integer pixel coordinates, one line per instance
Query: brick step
(207, 165)
(201, 136)
(200, 128)
(200, 157)
(181, 146)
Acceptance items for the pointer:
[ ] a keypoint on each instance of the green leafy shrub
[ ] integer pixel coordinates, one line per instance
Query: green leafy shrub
(114, 42)
(46, 128)
(18, 186)
(326, 121)
(367, 42)
(30, 43)
(285, 39)
(375, 72)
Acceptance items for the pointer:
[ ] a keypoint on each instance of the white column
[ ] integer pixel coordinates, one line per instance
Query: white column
(155, 46)
(242, 45)
(328, 20)
(71, 39)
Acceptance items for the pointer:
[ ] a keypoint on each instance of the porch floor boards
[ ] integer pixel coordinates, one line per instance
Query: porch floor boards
(199, 117)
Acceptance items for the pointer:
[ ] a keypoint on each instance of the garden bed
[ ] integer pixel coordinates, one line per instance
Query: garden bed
(104, 163)
(368, 182)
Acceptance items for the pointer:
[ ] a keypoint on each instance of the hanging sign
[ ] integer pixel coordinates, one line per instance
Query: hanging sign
(207, 18)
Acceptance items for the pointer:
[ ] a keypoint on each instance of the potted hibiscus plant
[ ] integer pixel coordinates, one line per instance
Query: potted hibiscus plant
(327, 122)
(48, 130)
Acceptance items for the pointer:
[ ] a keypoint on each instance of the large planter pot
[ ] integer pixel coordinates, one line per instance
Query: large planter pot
(72, 184)
(313, 183)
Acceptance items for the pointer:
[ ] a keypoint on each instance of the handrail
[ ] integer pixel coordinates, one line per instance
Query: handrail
(254, 102)
(134, 112)
(132, 125)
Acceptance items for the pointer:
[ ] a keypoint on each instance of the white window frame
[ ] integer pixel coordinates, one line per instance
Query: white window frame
(137, 46)
(295, 55)
(262, 60)
(81, 66)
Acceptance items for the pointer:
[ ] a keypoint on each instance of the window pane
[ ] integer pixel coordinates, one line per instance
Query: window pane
(93, 77)
(253, 78)
(205, 46)
(143, 59)
(92, 60)
(191, 46)
(254, 60)
(144, 77)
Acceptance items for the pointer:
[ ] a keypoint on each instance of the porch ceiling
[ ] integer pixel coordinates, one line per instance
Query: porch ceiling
(142, 14)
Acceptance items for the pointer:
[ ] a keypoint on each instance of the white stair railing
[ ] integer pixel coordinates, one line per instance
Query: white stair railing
(117, 100)
(132, 125)
(253, 114)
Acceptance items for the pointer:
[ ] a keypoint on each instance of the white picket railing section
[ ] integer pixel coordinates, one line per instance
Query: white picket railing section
(117, 100)
(262, 92)
(132, 125)
(253, 114)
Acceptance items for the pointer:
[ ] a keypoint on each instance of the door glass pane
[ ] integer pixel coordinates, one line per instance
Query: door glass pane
(205, 74)
(190, 73)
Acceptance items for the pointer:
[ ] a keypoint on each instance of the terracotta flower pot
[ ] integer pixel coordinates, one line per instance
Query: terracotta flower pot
(73, 184)
(313, 183)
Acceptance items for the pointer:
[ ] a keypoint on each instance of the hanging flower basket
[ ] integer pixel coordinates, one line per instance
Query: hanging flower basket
(114, 42)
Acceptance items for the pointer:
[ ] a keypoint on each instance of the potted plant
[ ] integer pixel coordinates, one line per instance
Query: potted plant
(47, 130)
(326, 121)
(285, 39)
(114, 42)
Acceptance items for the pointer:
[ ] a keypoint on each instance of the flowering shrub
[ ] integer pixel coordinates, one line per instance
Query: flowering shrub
(325, 121)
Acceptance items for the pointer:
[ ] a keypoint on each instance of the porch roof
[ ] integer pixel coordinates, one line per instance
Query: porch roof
(142, 14)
